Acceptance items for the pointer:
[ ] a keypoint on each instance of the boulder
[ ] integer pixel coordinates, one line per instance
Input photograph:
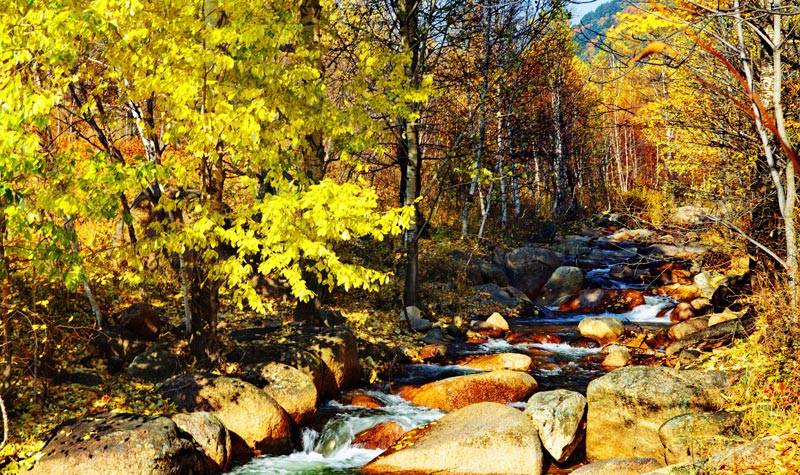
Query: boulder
(701, 305)
(433, 351)
(120, 444)
(361, 399)
(689, 215)
(564, 282)
(254, 354)
(292, 389)
(619, 466)
(483, 271)
(256, 422)
(684, 329)
(726, 316)
(453, 393)
(485, 438)
(558, 416)
(574, 245)
(693, 437)
(142, 320)
(627, 407)
(155, 365)
(602, 300)
(509, 296)
(382, 436)
(496, 320)
(529, 268)
(338, 350)
(714, 336)
(210, 434)
(512, 361)
(601, 329)
(413, 315)
(617, 357)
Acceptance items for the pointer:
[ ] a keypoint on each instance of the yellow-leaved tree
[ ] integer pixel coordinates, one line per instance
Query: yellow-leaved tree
(210, 115)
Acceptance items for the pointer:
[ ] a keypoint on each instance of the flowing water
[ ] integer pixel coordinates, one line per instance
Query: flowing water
(557, 364)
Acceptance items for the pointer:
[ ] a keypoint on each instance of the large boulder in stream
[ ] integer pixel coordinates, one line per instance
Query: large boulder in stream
(485, 438)
(529, 268)
(565, 281)
(603, 300)
(328, 355)
(629, 405)
(381, 436)
(512, 361)
(293, 389)
(558, 416)
(449, 394)
(256, 422)
(601, 329)
(121, 444)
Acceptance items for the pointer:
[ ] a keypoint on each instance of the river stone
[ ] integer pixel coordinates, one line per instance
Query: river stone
(682, 312)
(337, 348)
(617, 357)
(254, 354)
(155, 365)
(726, 316)
(692, 437)
(485, 438)
(512, 361)
(708, 282)
(293, 389)
(449, 394)
(558, 416)
(627, 407)
(529, 268)
(120, 444)
(256, 422)
(601, 329)
(619, 466)
(382, 436)
(497, 321)
(684, 329)
(564, 282)
(210, 434)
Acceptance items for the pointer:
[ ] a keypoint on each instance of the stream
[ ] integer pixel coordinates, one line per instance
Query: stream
(557, 363)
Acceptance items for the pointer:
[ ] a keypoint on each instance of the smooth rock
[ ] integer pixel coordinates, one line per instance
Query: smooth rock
(725, 316)
(603, 300)
(558, 416)
(684, 329)
(210, 434)
(617, 357)
(155, 365)
(141, 319)
(512, 361)
(529, 268)
(382, 436)
(496, 320)
(292, 389)
(486, 438)
(601, 329)
(256, 422)
(564, 282)
(453, 393)
(627, 407)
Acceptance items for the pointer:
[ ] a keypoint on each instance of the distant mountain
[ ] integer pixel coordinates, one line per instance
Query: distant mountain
(594, 24)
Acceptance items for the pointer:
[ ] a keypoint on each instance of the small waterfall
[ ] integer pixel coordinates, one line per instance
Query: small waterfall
(330, 451)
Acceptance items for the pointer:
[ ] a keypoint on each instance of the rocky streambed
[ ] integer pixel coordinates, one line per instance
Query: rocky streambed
(586, 377)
